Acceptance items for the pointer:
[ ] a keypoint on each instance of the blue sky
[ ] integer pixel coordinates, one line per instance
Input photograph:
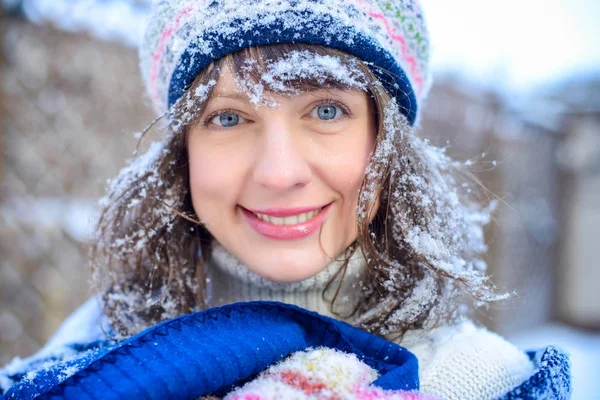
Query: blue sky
(515, 44)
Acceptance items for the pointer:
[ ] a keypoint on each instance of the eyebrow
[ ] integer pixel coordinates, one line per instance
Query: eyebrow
(231, 95)
(237, 96)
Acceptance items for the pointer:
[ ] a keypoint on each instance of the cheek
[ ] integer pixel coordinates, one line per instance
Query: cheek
(355, 160)
(344, 168)
(350, 176)
(212, 180)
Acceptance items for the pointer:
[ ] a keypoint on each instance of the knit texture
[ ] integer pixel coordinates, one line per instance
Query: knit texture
(26, 379)
(212, 352)
(552, 380)
(319, 374)
(230, 281)
(184, 36)
(461, 362)
(466, 362)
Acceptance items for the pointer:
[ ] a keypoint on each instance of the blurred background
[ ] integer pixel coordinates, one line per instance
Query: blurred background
(517, 92)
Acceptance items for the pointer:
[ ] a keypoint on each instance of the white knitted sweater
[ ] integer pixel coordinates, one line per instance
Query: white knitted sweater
(467, 362)
(460, 362)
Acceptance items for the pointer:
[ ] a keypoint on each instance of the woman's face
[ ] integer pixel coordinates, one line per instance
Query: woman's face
(278, 186)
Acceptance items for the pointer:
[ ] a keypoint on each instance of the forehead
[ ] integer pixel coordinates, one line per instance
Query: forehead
(258, 94)
(227, 82)
(290, 75)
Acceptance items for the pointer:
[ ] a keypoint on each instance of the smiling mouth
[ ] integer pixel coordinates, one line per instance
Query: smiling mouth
(289, 220)
(287, 224)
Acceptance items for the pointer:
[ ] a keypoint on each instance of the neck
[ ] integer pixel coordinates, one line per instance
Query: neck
(230, 281)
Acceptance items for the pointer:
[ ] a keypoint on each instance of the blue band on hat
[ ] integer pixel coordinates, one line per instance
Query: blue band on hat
(347, 39)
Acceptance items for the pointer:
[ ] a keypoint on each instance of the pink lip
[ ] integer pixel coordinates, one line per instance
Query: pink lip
(287, 232)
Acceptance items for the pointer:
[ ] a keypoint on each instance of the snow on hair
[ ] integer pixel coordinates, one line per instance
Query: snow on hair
(423, 245)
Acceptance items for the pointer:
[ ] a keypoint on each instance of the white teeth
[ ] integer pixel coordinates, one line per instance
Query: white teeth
(291, 220)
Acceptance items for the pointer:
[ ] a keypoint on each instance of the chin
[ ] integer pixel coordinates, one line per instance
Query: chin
(283, 272)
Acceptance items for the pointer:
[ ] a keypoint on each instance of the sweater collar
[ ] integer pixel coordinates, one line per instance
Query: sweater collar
(230, 281)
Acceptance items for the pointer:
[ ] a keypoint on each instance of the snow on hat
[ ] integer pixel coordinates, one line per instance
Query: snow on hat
(184, 36)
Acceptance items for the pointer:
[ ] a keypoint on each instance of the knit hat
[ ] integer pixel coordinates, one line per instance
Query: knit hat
(184, 36)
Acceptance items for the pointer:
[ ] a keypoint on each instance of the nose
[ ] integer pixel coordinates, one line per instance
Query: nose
(281, 162)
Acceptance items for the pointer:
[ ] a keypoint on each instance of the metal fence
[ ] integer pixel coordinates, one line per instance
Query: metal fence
(68, 108)
(515, 159)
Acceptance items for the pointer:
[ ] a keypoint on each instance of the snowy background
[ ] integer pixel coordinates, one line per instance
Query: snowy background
(515, 45)
(517, 91)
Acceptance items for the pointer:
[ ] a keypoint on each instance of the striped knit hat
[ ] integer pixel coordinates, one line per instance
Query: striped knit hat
(184, 36)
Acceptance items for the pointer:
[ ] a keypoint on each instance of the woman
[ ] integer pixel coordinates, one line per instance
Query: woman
(290, 171)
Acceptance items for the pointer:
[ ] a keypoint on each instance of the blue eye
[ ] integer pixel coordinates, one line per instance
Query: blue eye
(227, 119)
(327, 112)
